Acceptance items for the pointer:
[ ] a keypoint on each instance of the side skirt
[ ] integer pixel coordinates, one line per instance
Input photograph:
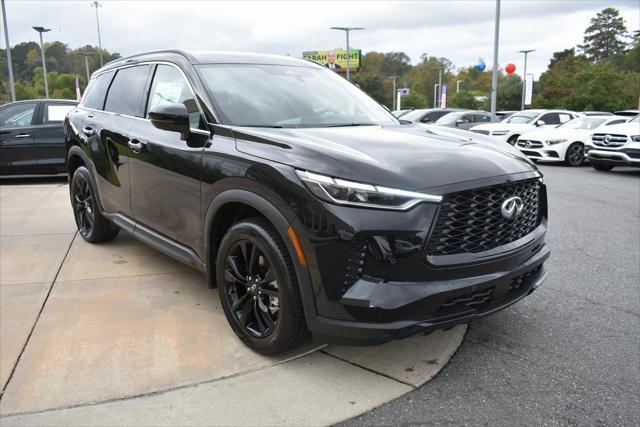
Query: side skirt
(158, 241)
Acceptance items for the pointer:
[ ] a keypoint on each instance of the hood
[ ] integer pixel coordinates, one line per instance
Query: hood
(402, 156)
(553, 133)
(505, 126)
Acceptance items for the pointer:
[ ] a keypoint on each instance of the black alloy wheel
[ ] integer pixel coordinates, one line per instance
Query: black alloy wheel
(83, 206)
(251, 284)
(575, 154)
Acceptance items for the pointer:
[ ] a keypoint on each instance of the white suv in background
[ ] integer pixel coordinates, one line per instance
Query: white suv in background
(525, 121)
(566, 142)
(618, 145)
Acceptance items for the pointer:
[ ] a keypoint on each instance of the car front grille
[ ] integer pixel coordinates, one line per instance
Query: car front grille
(471, 221)
(608, 140)
(529, 143)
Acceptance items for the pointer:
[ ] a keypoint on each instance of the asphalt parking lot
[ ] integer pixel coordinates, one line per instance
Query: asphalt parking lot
(569, 353)
(118, 343)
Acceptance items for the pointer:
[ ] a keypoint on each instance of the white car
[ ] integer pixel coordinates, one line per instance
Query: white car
(566, 142)
(524, 121)
(617, 145)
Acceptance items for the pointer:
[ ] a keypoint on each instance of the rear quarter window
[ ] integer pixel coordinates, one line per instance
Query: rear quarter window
(96, 91)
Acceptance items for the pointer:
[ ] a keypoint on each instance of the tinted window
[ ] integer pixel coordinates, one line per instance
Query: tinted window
(170, 87)
(126, 91)
(18, 115)
(433, 116)
(97, 89)
(54, 113)
(481, 118)
(550, 119)
(615, 122)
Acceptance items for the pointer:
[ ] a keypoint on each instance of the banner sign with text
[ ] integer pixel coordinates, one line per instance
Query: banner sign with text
(335, 59)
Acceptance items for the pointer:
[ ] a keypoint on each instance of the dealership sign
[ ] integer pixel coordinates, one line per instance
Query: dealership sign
(337, 57)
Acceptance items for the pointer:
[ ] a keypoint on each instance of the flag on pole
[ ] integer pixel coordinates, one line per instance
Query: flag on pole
(443, 97)
(78, 94)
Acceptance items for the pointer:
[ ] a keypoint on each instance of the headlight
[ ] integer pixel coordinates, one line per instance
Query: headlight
(555, 141)
(334, 190)
(635, 138)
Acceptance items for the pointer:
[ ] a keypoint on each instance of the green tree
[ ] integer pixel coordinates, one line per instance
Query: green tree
(605, 36)
(463, 99)
(414, 100)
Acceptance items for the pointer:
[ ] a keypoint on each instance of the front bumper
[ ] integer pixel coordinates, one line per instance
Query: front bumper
(620, 157)
(545, 154)
(435, 305)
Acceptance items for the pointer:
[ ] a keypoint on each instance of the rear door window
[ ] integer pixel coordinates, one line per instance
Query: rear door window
(481, 118)
(126, 91)
(96, 91)
(551, 119)
(55, 113)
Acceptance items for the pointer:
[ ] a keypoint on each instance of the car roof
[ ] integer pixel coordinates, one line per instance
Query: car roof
(23, 101)
(212, 57)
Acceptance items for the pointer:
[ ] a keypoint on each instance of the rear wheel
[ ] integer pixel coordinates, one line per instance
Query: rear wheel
(92, 226)
(601, 166)
(574, 155)
(258, 288)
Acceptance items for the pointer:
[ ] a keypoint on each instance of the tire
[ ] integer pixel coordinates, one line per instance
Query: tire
(513, 139)
(92, 226)
(574, 156)
(258, 288)
(601, 166)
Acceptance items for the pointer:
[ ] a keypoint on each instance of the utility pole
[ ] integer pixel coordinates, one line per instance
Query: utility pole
(394, 91)
(524, 80)
(435, 95)
(8, 46)
(86, 63)
(458, 85)
(494, 74)
(346, 30)
(97, 5)
(41, 30)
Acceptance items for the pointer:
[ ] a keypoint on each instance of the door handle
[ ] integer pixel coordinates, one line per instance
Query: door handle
(135, 145)
(22, 135)
(89, 131)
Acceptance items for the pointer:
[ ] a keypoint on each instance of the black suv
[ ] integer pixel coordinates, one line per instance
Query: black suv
(309, 206)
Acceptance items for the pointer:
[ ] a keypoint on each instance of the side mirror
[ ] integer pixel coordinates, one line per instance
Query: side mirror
(459, 122)
(171, 117)
(540, 123)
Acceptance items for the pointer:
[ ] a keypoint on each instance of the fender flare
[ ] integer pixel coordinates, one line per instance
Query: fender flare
(281, 224)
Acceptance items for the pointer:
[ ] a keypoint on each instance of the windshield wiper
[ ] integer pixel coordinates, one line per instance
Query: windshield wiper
(340, 125)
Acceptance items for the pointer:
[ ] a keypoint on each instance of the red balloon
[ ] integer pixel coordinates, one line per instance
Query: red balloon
(510, 68)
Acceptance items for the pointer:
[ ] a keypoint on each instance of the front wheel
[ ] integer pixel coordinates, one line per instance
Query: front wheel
(258, 288)
(574, 155)
(92, 226)
(601, 166)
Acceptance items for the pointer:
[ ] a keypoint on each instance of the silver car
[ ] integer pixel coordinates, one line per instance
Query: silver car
(464, 119)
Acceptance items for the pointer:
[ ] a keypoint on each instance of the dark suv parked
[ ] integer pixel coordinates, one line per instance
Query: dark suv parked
(308, 205)
(31, 137)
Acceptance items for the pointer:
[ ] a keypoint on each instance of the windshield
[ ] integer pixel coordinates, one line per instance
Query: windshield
(521, 118)
(582, 123)
(414, 115)
(289, 96)
(449, 118)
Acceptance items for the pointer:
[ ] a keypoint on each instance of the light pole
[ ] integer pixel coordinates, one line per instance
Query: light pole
(439, 100)
(86, 63)
(526, 53)
(41, 30)
(435, 94)
(6, 41)
(346, 30)
(494, 73)
(458, 85)
(97, 5)
(394, 91)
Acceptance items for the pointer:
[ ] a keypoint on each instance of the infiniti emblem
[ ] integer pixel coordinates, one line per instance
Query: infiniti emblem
(606, 140)
(512, 207)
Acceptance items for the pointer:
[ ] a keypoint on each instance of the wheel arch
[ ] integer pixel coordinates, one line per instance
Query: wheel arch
(232, 205)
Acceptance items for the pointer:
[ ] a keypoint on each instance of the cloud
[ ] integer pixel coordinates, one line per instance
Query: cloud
(461, 31)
